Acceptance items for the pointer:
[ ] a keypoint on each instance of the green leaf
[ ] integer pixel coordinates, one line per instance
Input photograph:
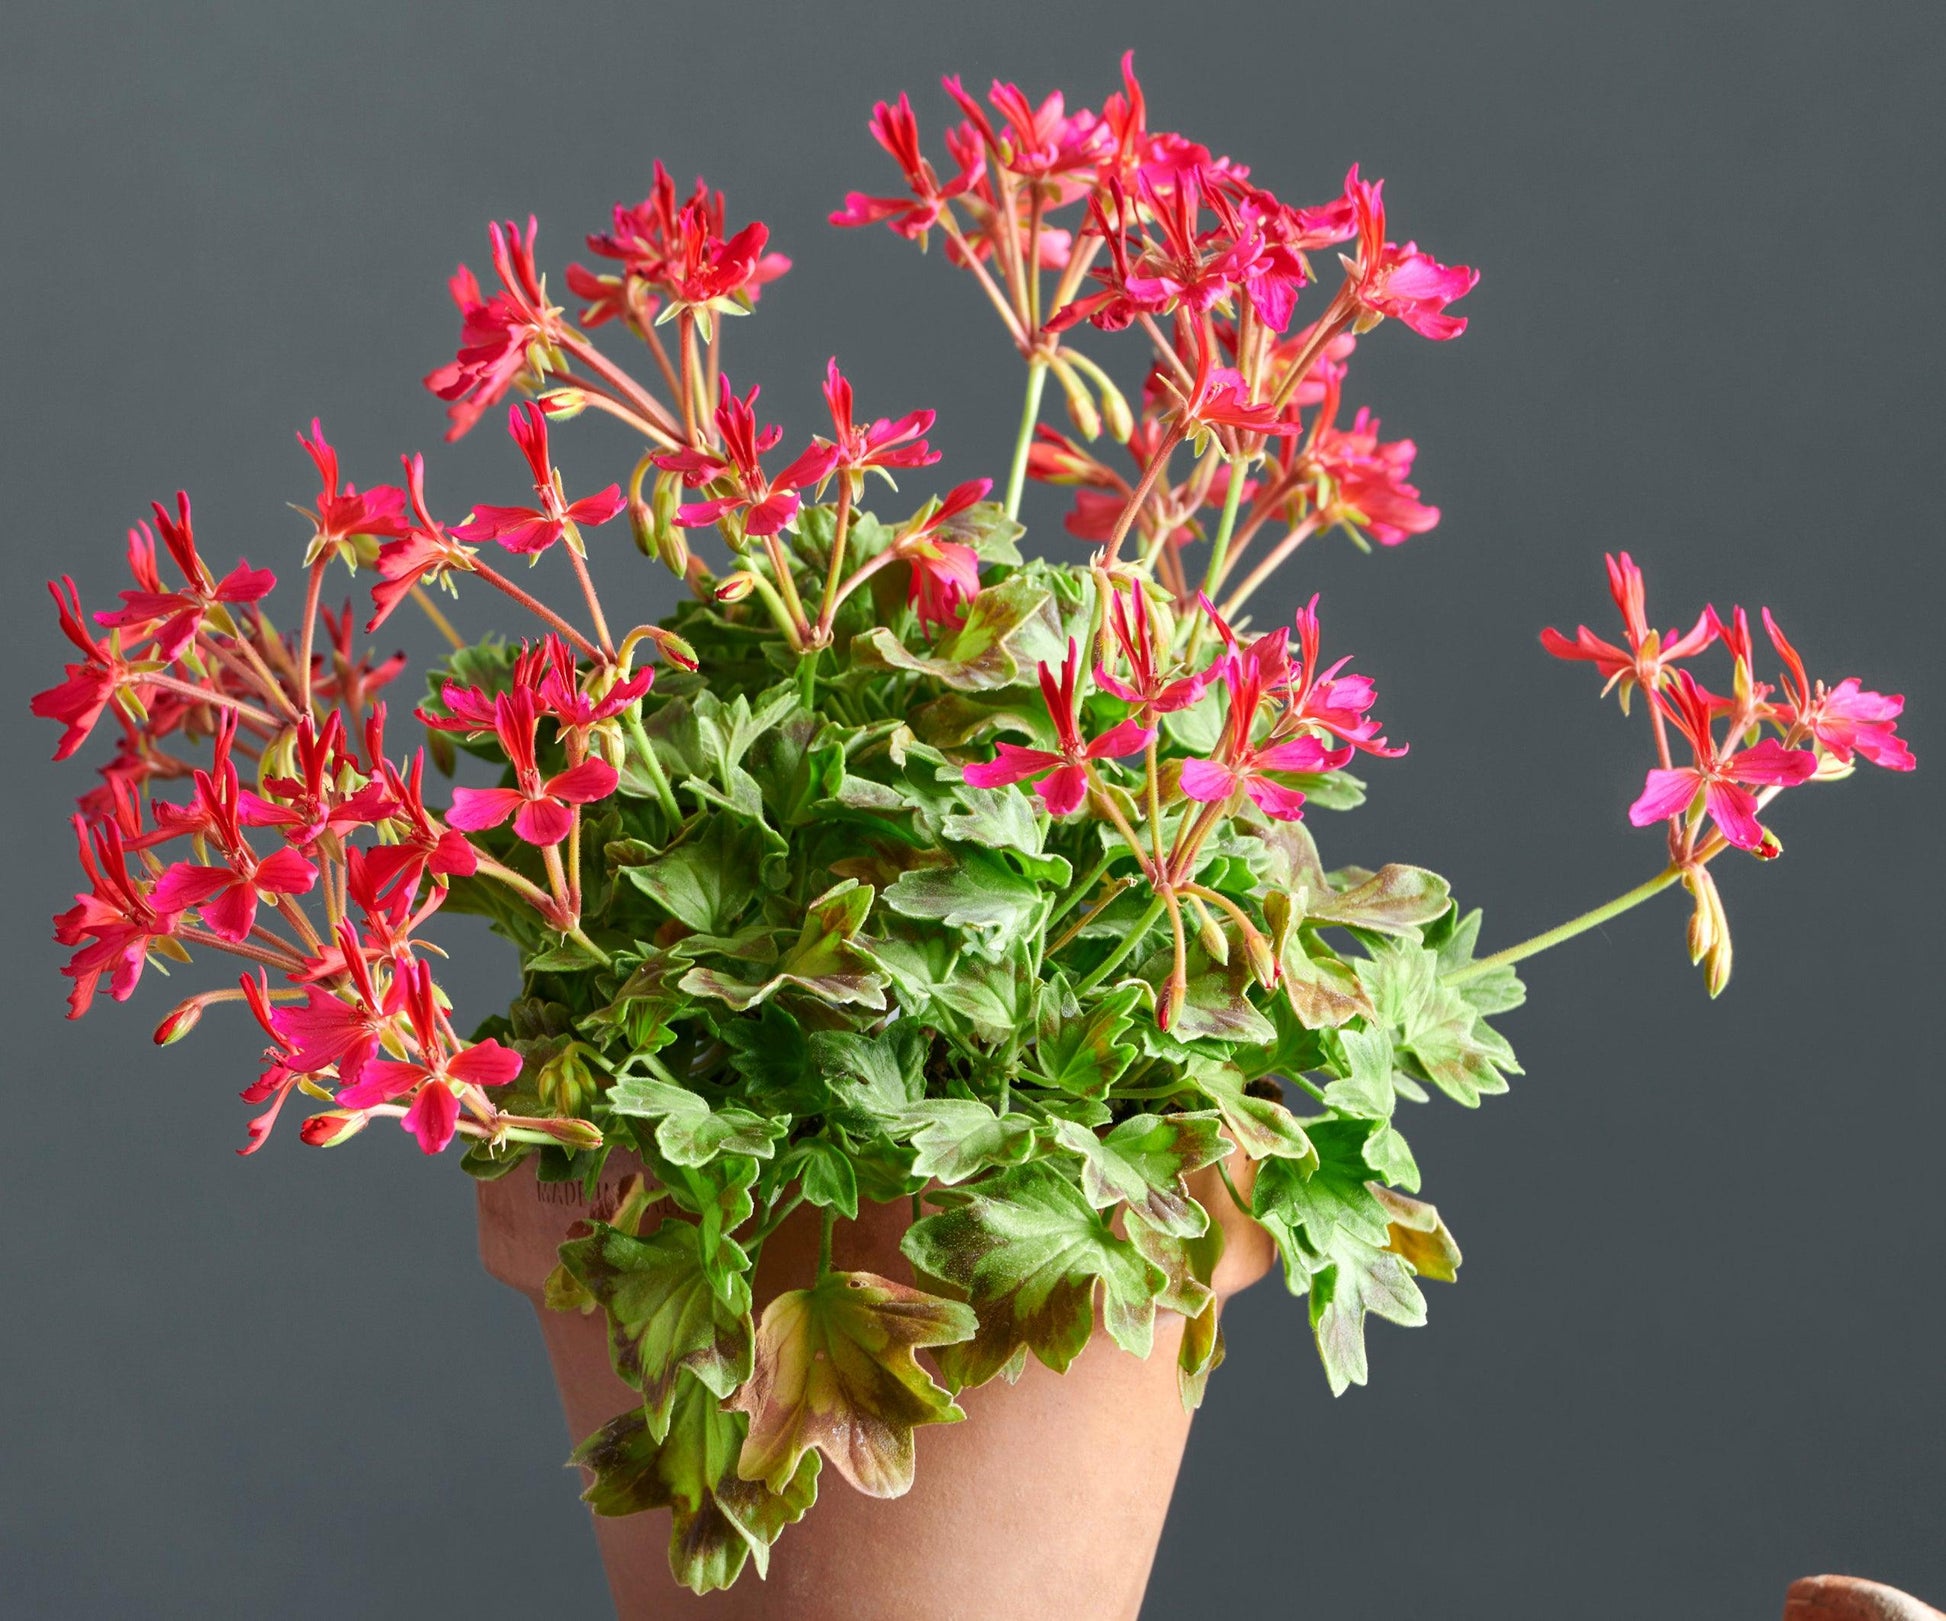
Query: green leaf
(824, 1174)
(1321, 990)
(1142, 1162)
(707, 881)
(825, 961)
(1418, 1237)
(956, 1138)
(875, 1078)
(1031, 1255)
(979, 655)
(1262, 1127)
(978, 891)
(1498, 990)
(718, 1520)
(1443, 1032)
(664, 1316)
(986, 527)
(835, 1371)
(1081, 1050)
(1394, 900)
(1216, 1006)
(688, 1131)
(1333, 1233)
(1008, 820)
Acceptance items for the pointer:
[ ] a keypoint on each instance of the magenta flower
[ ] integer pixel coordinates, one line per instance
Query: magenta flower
(78, 701)
(344, 514)
(766, 504)
(328, 1030)
(113, 925)
(541, 808)
(1647, 658)
(1370, 479)
(173, 618)
(895, 129)
(1146, 688)
(313, 803)
(440, 1074)
(497, 333)
(424, 552)
(1723, 776)
(1060, 776)
(531, 530)
(945, 573)
(226, 896)
(880, 445)
(1846, 719)
(1401, 282)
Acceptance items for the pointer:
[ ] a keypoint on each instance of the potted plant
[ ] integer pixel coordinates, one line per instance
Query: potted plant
(928, 972)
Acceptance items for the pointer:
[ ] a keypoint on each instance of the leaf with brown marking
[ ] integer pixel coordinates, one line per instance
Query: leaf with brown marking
(717, 1519)
(664, 1316)
(835, 1371)
(1417, 1235)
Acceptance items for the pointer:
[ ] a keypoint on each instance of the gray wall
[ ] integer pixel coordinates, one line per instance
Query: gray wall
(1696, 1349)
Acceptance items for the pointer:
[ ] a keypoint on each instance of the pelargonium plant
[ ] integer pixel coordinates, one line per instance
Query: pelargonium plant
(894, 865)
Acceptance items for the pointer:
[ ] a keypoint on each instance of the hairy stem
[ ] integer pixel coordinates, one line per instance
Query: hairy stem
(1024, 440)
(1568, 930)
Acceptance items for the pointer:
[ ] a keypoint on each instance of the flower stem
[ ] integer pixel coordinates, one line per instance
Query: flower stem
(1024, 440)
(1219, 552)
(1129, 942)
(1567, 931)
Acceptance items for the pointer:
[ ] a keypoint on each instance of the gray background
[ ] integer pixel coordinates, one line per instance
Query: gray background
(1696, 1349)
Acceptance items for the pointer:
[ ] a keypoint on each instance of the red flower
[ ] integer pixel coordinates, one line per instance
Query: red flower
(344, 515)
(497, 333)
(78, 701)
(881, 445)
(766, 504)
(1062, 773)
(945, 573)
(895, 129)
(1401, 282)
(1146, 688)
(113, 924)
(1846, 719)
(174, 617)
(1369, 479)
(1334, 703)
(328, 1030)
(541, 808)
(532, 530)
(275, 1082)
(1037, 143)
(1648, 657)
(346, 676)
(226, 895)
(555, 678)
(1721, 775)
(424, 552)
(437, 1077)
(314, 803)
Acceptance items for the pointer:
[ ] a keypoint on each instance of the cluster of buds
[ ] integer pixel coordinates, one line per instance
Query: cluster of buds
(1770, 738)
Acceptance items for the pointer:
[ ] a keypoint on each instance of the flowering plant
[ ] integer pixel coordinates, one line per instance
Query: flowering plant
(894, 865)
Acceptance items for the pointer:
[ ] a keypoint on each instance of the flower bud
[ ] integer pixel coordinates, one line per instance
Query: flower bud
(734, 587)
(180, 1020)
(331, 1127)
(570, 1134)
(563, 404)
(565, 1083)
(1263, 961)
(1081, 409)
(674, 648)
(641, 526)
(1212, 939)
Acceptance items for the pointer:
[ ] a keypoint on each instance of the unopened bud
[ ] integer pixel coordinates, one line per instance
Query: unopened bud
(565, 1083)
(734, 587)
(1081, 409)
(1263, 960)
(570, 1134)
(674, 648)
(181, 1019)
(1212, 938)
(563, 404)
(331, 1127)
(641, 526)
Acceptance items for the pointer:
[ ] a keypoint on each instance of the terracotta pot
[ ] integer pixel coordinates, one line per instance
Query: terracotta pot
(1048, 1500)
(1847, 1598)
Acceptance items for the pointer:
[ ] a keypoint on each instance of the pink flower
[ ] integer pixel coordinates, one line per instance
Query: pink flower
(766, 504)
(1370, 480)
(531, 530)
(1037, 143)
(328, 1030)
(895, 129)
(945, 573)
(438, 1077)
(1062, 774)
(1241, 762)
(1335, 704)
(541, 808)
(880, 445)
(1721, 775)
(344, 514)
(497, 333)
(308, 806)
(424, 552)
(1401, 282)
(78, 701)
(113, 924)
(1648, 657)
(1145, 689)
(174, 617)
(1846, 719)
(277, 1079)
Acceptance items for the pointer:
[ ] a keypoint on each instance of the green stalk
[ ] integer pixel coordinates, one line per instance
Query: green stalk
(1219, 554)
(1129, 942)
(1568, 930)
(1023, 441)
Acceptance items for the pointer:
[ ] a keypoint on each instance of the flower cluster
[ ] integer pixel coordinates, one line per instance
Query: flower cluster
(892, 865)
